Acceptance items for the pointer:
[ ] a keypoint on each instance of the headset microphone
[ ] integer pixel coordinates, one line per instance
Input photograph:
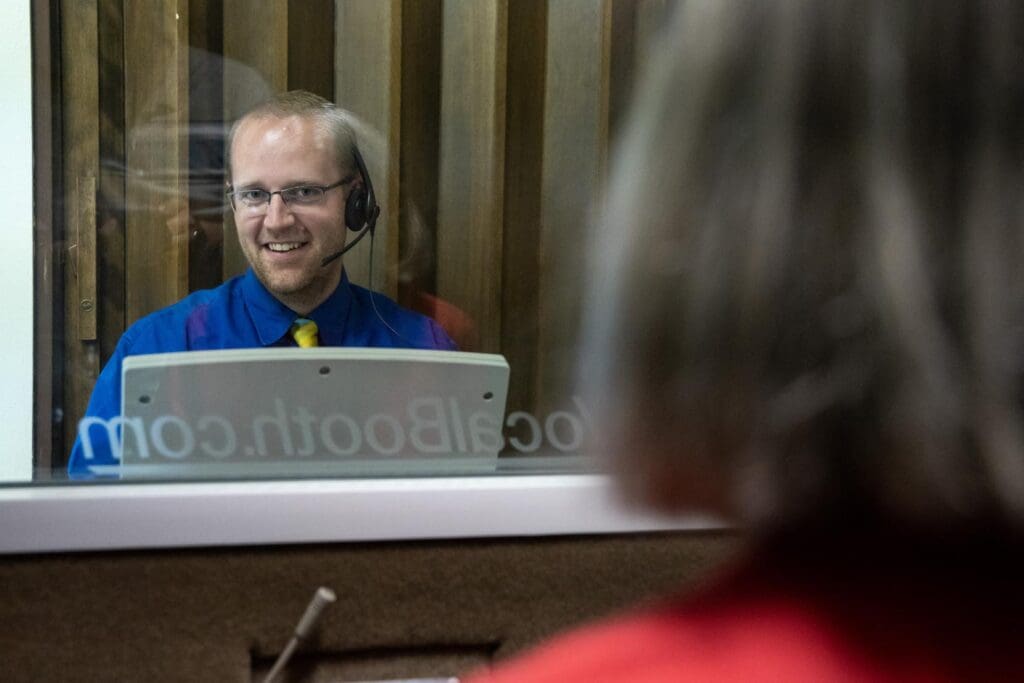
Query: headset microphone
(361, 210)
(338, 254)
(361, 213)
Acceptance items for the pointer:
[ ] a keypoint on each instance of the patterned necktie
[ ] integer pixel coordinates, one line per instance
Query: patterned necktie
(303, 331)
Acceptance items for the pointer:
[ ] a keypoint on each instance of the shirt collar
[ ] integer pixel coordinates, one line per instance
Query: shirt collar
(272, 319)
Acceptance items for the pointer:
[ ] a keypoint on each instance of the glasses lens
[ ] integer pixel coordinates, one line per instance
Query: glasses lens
(304, 194)
(252, 198)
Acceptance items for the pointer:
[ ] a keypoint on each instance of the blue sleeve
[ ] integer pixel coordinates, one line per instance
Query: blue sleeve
(442, 342)
(104, 406)
(98, 433)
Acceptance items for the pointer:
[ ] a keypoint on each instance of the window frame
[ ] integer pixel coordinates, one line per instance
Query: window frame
(94, 517)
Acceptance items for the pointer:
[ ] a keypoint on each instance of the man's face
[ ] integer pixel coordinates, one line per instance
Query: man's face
(285, 244)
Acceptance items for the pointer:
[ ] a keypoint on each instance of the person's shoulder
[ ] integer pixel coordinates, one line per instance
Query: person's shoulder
(642, 647)
(164, 330)
(747, 638)
(413, 328)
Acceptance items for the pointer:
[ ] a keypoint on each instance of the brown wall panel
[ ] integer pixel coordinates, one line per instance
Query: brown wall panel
(255, 49)
(404, 609)
(46, 185)
(420, 133)
(524, 148)
(156, 117)
(81, 139)
(472, 162)
(368, 80)
(111, 200)
(311, 46)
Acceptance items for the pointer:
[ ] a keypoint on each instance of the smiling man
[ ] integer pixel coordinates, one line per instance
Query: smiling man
(296, 189)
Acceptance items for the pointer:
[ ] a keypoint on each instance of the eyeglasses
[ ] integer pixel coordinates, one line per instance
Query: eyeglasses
(256, 199)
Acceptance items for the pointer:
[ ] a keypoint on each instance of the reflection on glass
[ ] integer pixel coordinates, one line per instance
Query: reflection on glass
(486, 155)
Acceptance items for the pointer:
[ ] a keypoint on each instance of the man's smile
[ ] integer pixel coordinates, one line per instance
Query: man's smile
(284, 246)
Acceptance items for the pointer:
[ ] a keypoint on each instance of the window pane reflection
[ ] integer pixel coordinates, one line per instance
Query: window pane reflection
(484, 127)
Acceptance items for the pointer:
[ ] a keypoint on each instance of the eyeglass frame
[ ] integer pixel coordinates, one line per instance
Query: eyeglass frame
(230, 194)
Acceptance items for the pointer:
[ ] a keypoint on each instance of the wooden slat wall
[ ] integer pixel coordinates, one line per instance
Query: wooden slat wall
(368, 78)
(46, 183)
(81, 139)
(575, 156)
(156, 117)
(524, 150)
(419, 145)
(311, 46)
(111, 202)
(472, 162)
(256, 36)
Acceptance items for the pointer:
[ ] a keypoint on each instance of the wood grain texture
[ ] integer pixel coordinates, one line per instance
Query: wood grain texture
(256, 35)
(256, 66)
(367, 83)
(80, 149)
(311, 46)
(110, 200)
(45, 186)
(421, 106)
(472, 162)
(524, 148)
(156, 117)
(207, 132)
(575, 156)
(86, 256)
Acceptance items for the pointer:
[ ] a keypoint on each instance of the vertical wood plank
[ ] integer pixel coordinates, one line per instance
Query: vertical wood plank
(472, 162)
(255, 34)
(45, 185)
(575, 154)
(86, 256)
(311, 46)
(524, 146)
(421, 106)
(110, 202)
(367, 82)
(206, 145)
(156, 116)
(80, 141)
(255, 45)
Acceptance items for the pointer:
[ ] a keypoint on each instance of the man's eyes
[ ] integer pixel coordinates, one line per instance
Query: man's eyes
(253, 196)
(303, 192)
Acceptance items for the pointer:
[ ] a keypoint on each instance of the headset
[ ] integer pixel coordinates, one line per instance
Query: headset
(361, 212)
(361, 209)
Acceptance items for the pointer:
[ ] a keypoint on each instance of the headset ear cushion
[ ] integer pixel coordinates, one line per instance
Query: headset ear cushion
(355, 208)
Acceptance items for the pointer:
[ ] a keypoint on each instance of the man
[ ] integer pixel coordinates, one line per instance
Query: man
(291, 171)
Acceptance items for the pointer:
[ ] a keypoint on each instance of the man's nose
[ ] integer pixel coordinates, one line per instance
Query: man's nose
(279, 214)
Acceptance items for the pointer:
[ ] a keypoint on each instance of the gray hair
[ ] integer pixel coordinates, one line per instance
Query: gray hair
(331, 118)
(808, 286)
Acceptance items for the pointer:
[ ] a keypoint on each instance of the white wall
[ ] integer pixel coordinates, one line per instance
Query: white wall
(16, 286)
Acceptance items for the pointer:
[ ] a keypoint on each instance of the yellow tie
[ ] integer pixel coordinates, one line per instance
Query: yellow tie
(303, 331)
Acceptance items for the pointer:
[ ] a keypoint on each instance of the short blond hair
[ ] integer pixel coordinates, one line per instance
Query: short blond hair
(332, 119)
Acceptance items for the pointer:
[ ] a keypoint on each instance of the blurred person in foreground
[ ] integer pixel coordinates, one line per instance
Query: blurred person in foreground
(807, 316)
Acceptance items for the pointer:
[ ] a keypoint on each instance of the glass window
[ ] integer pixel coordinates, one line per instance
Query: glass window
(485, 129)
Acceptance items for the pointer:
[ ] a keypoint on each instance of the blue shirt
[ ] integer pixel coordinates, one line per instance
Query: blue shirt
(242, 314)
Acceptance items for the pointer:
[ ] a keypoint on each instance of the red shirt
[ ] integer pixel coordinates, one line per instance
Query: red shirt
(854, 619)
